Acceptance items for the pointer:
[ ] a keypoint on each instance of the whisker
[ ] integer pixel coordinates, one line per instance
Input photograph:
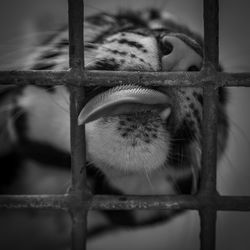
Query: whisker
(95, 8)
(240, 130)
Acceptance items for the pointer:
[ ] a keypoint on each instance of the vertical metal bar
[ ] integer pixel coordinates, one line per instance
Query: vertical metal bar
(76, 49)
(208, 232)
(209, 141)
(209, 133)
(79, 230)
(78, 150)
(211, 34)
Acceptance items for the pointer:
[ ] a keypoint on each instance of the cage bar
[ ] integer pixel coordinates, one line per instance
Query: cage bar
(208, 225)
(209, 140)
(128, 202)
(209, 125)
(77, 135)
(108, 78)
(211, 34)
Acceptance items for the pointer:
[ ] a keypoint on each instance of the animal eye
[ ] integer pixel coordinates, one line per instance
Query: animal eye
(193, 68)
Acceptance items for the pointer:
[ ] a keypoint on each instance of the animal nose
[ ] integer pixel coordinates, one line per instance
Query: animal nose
(181, 57)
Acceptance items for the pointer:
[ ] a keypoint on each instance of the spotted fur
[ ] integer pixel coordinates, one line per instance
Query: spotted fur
(137, 153)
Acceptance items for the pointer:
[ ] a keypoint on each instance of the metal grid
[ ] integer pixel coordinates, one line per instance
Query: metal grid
(79, 200)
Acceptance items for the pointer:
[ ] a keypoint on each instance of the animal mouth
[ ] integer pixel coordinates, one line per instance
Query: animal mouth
(125, 99)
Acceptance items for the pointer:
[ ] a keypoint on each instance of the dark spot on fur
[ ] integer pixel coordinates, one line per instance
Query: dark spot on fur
(191, 105)
(141, 60)
(191, 123)
(133, 126)
(43, 66)
(62, 43)
(198, 97)
(50, 54)
(129, 43)
(122, 123)
(193, 68)
(128, 130)
(106, 64)
(196, 113)
(154, 135)
(124, 134)
(141, 32)
(90, 46)
(154, 14)
(117, 52)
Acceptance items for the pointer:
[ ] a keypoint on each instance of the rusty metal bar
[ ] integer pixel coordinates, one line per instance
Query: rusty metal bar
(111, 202)
(108, 78)
(78, 149)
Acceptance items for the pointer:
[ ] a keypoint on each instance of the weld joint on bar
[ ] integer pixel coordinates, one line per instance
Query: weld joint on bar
(79, 199)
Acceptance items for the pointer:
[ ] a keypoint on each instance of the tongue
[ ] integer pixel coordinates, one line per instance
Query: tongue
(122, 100)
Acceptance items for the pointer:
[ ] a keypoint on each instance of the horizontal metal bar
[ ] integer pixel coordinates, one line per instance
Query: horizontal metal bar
(110, 78)
(131, 202)
(34, 201)
(34, 77)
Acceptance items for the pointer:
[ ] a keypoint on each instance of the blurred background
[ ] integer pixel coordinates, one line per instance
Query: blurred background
(25, 23)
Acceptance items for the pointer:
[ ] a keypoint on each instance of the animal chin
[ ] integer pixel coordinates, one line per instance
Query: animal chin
(130, 136)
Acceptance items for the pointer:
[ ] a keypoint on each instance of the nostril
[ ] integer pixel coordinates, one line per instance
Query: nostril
(166, 47)
(193, 68)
